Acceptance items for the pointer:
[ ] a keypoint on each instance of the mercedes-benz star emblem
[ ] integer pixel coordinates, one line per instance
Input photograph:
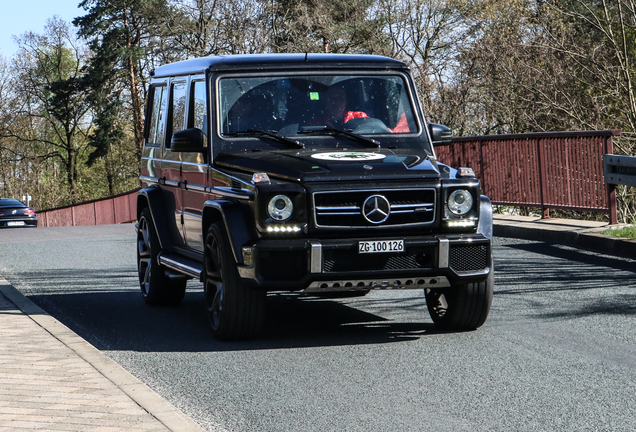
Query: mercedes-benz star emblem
(376, 209)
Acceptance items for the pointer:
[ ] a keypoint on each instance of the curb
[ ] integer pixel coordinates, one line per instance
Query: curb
(582, 237)
(155, 405)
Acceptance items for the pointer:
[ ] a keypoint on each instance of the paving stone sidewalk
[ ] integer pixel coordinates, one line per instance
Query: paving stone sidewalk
(52, 380)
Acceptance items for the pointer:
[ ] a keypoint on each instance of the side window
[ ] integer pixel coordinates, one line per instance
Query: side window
(178, 106)
(198, 108)
(156, 126)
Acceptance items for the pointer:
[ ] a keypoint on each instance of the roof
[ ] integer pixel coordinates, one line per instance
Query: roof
(277, 62)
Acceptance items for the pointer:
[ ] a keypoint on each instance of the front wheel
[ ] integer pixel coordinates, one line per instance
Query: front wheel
(462, 306)
(234, 310)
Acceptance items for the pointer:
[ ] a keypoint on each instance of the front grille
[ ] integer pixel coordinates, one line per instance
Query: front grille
(468, 258)
(349, 260)
(344, 209)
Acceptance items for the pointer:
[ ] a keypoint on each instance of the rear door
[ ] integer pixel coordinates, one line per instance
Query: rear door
(171, 165)
(195, 169)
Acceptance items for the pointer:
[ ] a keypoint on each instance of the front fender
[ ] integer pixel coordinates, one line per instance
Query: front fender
(231, 215)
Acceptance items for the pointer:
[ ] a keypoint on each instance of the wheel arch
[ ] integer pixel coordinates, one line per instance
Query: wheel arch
(152, 198)
(232, 218)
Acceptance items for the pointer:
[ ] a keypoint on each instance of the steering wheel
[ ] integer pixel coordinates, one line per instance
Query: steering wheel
(367, 125)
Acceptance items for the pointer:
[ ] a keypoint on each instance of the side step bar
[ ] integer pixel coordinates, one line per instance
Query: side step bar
(181, 265)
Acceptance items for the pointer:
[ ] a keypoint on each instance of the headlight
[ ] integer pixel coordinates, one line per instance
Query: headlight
(460, 202)
(280, 207)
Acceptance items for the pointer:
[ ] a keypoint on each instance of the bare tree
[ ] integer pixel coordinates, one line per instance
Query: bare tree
(49, 109)
(338, 26)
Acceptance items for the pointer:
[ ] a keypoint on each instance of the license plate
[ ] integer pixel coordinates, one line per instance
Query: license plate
(15, 223)
(381, 246)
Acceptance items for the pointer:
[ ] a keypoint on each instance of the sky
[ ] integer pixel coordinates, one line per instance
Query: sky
(20, 16)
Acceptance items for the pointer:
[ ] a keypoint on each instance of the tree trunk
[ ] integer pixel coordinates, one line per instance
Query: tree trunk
(136, 103)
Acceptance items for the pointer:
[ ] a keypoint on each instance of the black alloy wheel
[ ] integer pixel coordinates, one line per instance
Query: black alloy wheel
(157, 288)
(234, 310)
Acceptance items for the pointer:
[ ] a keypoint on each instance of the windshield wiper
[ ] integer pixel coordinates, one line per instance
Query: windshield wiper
(272, 134)
(369, 142)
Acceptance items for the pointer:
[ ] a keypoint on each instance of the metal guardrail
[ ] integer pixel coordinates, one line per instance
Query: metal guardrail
(559, 170)
(619, 170)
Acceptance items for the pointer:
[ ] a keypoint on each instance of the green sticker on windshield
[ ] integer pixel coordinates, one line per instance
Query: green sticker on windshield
(314, 96)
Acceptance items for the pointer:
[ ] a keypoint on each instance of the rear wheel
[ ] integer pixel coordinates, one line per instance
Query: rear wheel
(234, 310)
(156, 287)
(461, 307)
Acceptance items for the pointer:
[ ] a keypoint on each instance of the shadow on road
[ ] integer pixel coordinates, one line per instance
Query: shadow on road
(578, 255)
(112, 316)
(562, 282)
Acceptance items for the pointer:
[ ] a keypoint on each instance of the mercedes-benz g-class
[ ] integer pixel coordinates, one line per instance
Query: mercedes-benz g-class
(313, 173)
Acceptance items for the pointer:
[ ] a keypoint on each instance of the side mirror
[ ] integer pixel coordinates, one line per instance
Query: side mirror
(188, 140)
(440, 135)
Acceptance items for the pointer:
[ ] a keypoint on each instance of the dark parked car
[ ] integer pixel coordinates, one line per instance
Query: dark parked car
(14, 213)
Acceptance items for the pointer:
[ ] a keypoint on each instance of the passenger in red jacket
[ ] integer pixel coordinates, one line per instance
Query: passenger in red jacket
(337, 115)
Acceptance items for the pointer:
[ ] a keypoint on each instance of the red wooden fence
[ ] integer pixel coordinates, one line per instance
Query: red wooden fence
(116, 209)
(561, 170)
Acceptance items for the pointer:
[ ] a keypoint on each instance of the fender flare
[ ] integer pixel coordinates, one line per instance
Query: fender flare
(234, 221)
(152, 197)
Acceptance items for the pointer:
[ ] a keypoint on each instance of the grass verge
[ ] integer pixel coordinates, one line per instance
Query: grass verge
(626, 232)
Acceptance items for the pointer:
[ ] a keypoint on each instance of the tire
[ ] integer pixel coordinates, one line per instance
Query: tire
(461, 307)
(156, 287)
(235, 311)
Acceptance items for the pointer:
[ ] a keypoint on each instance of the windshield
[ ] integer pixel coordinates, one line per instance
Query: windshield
(314, 104)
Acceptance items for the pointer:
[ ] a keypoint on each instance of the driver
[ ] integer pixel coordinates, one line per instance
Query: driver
(335, 104)
(335, 108)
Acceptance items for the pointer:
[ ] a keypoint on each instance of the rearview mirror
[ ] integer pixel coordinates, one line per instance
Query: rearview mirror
(440, 134)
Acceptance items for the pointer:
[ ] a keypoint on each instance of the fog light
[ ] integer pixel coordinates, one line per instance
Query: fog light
(248, 255)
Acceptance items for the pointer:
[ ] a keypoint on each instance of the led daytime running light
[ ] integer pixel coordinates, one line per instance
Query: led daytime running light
(461, 223)
(283, 229)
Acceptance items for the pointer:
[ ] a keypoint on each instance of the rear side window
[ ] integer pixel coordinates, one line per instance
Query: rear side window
(179, 90)
(156, 126)
(198, 108)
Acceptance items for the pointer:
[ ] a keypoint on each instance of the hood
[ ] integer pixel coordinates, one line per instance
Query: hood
(335, 165)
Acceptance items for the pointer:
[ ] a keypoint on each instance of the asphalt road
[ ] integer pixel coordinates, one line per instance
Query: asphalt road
(558, 351)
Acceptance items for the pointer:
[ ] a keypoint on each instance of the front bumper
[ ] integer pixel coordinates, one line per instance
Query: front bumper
(322, 265)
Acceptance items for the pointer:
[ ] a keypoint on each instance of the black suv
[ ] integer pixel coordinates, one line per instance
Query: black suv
(304, 172)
